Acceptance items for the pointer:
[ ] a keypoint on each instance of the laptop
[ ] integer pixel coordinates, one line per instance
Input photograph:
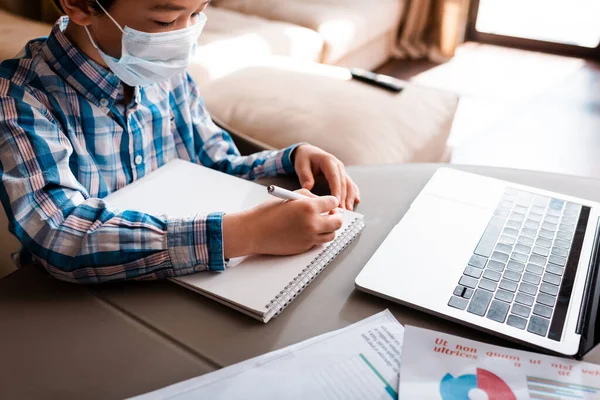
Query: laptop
(504, 258)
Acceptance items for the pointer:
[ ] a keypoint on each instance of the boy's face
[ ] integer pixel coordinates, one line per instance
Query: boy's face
(146, 16)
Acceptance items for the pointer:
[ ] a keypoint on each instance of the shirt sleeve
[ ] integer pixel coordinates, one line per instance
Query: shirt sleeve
(218, 151)
(77, 237)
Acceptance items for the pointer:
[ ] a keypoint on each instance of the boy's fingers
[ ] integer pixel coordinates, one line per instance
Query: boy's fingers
(325, 204)
(305, 174)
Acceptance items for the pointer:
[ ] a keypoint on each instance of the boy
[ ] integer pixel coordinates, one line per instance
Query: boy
(105, 100)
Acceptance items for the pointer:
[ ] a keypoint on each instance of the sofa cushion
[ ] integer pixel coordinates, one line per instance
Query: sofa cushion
(15, 32)
(231, 41)
(282, 103)
(345, 25)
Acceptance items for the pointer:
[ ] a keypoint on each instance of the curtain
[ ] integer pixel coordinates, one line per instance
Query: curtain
(39, 10)
(432, 29)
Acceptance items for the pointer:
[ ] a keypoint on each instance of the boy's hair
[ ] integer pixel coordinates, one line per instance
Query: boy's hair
(92, 3)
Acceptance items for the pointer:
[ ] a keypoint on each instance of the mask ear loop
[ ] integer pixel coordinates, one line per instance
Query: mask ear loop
(110, 16)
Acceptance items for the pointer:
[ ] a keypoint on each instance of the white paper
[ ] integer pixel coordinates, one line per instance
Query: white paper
(445, 367)
(361, 361)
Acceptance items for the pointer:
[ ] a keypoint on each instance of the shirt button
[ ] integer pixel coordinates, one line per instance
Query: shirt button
(104, 102)
(138, 159)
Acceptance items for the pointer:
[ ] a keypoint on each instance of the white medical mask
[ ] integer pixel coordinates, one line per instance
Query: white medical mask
(148, 58)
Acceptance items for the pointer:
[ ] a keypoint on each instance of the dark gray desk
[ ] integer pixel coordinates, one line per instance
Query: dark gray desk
(58, 340)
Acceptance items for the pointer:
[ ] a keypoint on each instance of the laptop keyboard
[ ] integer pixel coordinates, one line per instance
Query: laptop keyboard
(515, 273)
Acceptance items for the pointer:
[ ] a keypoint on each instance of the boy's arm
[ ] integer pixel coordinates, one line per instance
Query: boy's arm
(76, 237)
(219, 151)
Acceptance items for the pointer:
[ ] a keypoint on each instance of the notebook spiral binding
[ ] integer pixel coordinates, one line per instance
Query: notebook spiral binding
(314, 268)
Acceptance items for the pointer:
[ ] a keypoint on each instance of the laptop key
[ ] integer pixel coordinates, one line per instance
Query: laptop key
(514, 224)
(459, 290)
(551, 219)
(510, 232)
(562, 243)
(524, 299)
(551, 278)
(555, 213)
(564, 235)
(556, 204)
(508, 285)
(468, 293)
(538, 260)
(531, 278)
(558, 251)
(488, 285)
(540, 201)
(571, 213)
(538, 210)
(549, 289)
(542, 310)
(515, 266)
(468, 281)
(492, 275)
(498, 311)
(523, 198)
(546, 234)
(527, 288)
(512, 275)
(550, 227)
(458, 302)
(473, 272)
(495, 265)
(541, 251)
(532, 233)
(573, 206)
(516, 321)
(504, 248)
(518, 217)
(496, 255)
(557, 260)
(490, 236)
(534, 269)
(521, 248)
(502, 212)
(519, 257)
(543, 242)
(567, 227)
(507, 239)
(546, 299)
(538, 325)
(520, 209)
(504, 296)
(529, 224)
(477, 261)
(569, 220)
(526, 240)
(555, 269)
(480, 302)
(535, 217)
(520, 310)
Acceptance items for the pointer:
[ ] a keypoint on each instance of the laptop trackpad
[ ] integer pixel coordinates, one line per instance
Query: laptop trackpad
(434, 242)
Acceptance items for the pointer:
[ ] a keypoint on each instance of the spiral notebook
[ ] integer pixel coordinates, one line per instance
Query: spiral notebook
(259, 286)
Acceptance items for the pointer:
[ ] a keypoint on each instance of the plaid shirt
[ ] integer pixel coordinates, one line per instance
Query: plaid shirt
(67, 140)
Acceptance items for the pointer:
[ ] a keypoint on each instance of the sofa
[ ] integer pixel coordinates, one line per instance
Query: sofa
(274, 73)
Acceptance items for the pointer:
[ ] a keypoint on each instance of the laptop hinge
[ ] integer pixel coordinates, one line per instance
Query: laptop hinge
(587, 324)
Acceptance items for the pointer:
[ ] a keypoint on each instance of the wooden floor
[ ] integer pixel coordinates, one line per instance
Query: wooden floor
(518, 109)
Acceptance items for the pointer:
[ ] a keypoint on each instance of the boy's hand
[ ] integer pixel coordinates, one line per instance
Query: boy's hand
(311, 161)
(282, 228)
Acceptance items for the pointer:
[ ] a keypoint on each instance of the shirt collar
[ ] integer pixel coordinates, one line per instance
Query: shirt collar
(96, 83)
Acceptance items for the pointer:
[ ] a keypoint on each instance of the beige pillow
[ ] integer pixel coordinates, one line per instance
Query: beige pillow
(284, 103)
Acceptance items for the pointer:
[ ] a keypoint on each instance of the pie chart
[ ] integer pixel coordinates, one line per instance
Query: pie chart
(458, 388)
